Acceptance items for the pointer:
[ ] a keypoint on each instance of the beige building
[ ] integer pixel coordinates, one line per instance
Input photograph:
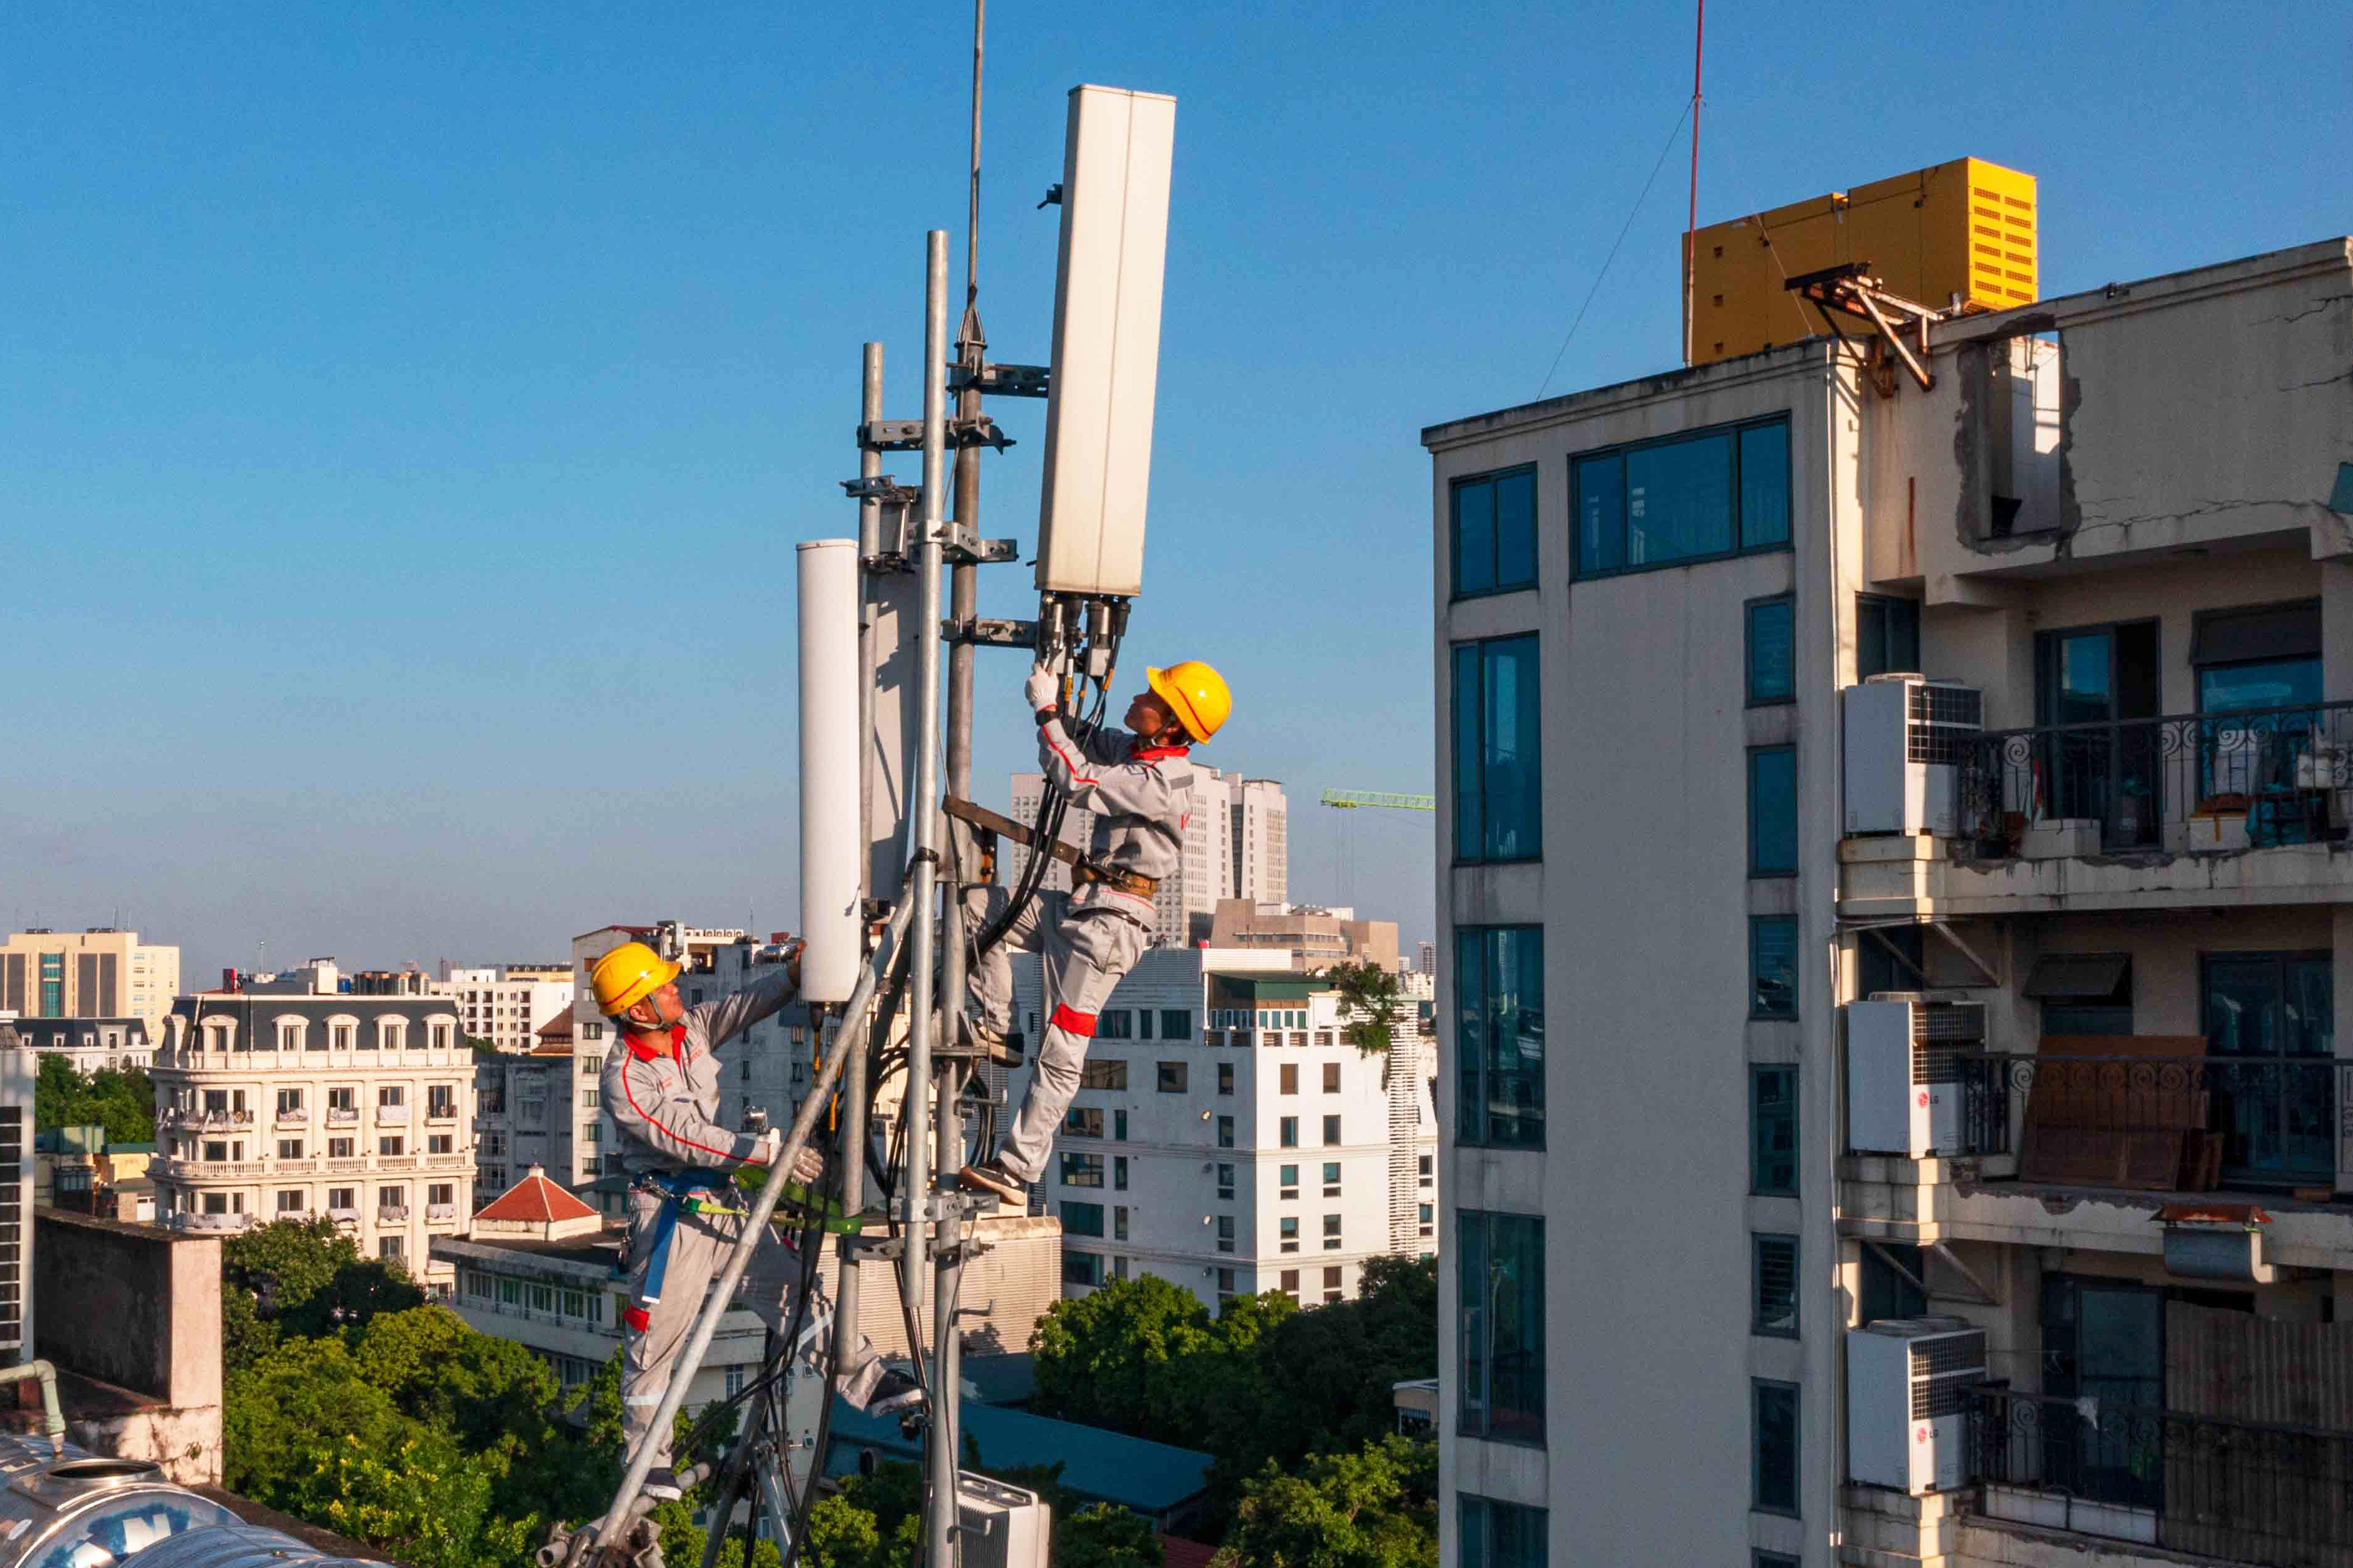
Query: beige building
(292, 1104)
(1313, 936)
(95, 973)
(1926, 809)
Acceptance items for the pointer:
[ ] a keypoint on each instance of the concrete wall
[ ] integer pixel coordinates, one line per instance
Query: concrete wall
(139, 1309)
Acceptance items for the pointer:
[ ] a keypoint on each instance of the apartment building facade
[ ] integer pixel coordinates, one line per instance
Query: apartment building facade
(1313, 935)
(87, 1044)
(101, 972)
(1928, 807)
(1227, 1137)
(507, 1006)
(1237, 846)
(295, 1103)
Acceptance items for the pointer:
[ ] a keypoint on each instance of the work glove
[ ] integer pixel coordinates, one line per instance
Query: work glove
(808, 1166)
(1043, 689)
(793, 960)
(767, 1146)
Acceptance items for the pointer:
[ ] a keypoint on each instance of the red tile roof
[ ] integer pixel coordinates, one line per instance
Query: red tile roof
(1176, 1552)
(537, 1201)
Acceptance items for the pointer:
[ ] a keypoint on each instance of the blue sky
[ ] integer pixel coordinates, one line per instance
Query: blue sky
(405, 411)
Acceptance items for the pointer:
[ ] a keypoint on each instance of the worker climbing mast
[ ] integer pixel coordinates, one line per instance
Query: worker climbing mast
(887, 1158)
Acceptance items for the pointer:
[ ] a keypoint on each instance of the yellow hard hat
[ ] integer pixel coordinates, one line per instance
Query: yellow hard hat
(1195, 692)
(627, 975)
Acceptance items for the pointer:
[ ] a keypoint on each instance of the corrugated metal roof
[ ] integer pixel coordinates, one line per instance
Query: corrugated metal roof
(1109, 1467)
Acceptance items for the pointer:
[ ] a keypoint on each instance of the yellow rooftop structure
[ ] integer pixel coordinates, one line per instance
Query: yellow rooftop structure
(1963, 230)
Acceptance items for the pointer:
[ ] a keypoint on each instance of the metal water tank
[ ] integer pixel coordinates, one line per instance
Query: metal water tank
(62, 1507)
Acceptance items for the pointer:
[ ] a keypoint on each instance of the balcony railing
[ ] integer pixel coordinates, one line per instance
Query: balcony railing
(391, 1116)
(185, 1221)
(2241, 1491)
(435, 1213)
(342, 1116)
(392, 1214)
(2155, 1122)
(2196, 781)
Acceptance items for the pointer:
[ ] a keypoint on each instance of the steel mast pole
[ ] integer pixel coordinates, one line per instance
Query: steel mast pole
(917, 1200)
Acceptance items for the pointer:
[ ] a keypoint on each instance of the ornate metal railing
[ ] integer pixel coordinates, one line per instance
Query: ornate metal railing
(2243, 1490)
(2194, 780)
(2169, 1123)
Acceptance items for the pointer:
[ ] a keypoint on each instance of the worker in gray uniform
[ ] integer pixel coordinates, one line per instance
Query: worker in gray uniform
(661, 1088)
(1139, 783)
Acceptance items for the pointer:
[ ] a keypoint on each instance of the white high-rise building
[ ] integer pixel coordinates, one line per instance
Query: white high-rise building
(1228, 1138)
(1235, 847)
(507, 1006)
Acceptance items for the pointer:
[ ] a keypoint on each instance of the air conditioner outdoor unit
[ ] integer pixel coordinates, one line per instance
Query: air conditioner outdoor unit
(1000, 1526)
(1904, 1087)
(1909, 1384)
(1905, 737)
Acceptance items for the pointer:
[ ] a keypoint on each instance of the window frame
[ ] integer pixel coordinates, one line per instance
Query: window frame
(1756, 1152)
(1476, 648)
(1475, 1513)
(1732, 431)
(1748, 610)
(1756, 990)
(1757, 1389)
(1473, 1068)
(1758, 869)
(1475, 1230)
(1757, 1322)
(1492, 478)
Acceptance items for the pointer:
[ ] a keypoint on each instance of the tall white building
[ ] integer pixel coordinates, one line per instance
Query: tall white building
(1926, 809)
(291, 1097)
(507, 1006)
(1236, 845)
(98, 973)
(1228, 1139)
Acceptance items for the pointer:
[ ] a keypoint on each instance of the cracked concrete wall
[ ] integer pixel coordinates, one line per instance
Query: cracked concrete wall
(2208, 407)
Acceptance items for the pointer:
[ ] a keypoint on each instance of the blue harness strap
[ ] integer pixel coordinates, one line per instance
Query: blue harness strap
(675, 1188)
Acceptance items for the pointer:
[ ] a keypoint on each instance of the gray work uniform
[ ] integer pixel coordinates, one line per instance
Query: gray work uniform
(665, 1101)
(1142, 800)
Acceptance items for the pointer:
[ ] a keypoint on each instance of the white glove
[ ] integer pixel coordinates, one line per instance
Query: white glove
(808, 1166)
(767, 1146)
(1043, 689)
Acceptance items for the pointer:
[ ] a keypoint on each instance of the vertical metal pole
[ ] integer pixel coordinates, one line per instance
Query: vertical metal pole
(923, 803)
(852, 1149)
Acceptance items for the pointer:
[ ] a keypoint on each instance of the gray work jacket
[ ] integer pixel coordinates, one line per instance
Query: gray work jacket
(1142, 800)
(666, 1101)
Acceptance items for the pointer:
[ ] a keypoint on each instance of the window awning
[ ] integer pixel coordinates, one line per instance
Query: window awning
(2077, 976)
(2268, 631)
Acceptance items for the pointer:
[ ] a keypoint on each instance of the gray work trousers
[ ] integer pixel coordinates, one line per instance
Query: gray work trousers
(699, 1246)
(1088, 952)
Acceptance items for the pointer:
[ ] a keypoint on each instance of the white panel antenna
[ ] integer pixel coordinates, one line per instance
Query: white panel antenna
(1098, 462)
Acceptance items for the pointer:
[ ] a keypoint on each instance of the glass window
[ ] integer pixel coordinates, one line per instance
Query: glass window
(1176, 1023)
(1082, 1171)
(1225, 1233)
(1082, 1220)
(1498, 804)
(1772, 966)
(1225, 1131)
(1225, 1078)
(1499, 990)
(1119, 1172)
(1495, 533)
(1083, 1122)
(1773, 1131)
(1773, 811)
(1287, 1132)
(1107, 1074)
(1331, 1077)
(1500, 1325)
(1332, 1130)
(1772, 650)
(1499, 1534)
(1119, 1126)
(1083, 1269)
(1114, 1024)
(1689, 498)
(1775, 1259)
(1886, 636)
(1172, 1078)
(1774, 1418)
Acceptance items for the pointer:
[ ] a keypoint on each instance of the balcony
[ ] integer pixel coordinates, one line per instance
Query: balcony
(442, 1112)
(2192, 810)
(342, 1116)
(2245, 1491)
(391, 1116)
(343, 1215)
(211, 1222)
(2083, 1148)
(297, 1116)
(392, 1214)
(436, 1214)
(190, 1121)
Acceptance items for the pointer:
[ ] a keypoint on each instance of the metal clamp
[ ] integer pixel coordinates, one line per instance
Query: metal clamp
(883, 487)
(907, 435)
(1002, 380)
(982, 632)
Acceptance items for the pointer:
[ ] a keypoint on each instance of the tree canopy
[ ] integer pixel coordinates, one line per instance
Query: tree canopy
(1375, 1508)
(121, 1102)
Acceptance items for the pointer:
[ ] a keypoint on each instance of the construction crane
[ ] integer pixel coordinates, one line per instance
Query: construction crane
(1350, 799)
(1357, 800)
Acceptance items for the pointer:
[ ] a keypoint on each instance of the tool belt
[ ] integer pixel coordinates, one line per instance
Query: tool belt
(1133, 883)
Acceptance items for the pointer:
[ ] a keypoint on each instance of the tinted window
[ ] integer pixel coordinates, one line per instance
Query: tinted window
(1773, 811)
(1495, 533)
(1498, 809)
(1776, 1296)
(1773, 1131)
(1692, 497)
(1886, 636)
(1772, 651)
(1772, 966)
(1501, 1325)
(1774, 1411)
(1499, 990)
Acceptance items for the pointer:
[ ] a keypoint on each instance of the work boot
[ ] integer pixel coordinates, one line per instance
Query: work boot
(663, 1486)
(991, 1176)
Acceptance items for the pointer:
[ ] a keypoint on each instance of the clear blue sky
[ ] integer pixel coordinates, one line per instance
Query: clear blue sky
(405, 411)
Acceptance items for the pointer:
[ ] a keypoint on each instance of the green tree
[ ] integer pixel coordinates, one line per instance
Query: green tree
(427, 1501)
(1368, 994)
(121, 1102)
(1375, 1508)
(301, 1279)
(484, 1391)
(302, 1394)
(841, 1535)
(1119, 1356)
(1103, 1536)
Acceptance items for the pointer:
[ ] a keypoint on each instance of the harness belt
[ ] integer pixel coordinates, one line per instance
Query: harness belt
(1133, 883)
(681, 1192)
